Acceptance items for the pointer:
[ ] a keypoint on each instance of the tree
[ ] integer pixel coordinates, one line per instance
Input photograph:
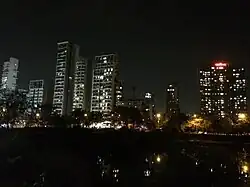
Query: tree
(175, 122)
(58, 121)
(197, 124)
(129, 114)
(15, 105)
(95, 117)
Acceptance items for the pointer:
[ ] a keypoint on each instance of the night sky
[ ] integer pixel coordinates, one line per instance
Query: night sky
(159, 42)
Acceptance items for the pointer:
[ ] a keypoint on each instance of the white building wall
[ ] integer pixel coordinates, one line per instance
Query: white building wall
(9, 75)
(67, 54)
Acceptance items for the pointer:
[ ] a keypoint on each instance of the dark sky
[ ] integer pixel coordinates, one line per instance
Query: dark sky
(159, 41)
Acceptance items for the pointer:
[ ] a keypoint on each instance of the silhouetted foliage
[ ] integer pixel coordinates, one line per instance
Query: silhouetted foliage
(129, 114)
(175, 122)
(15, 104)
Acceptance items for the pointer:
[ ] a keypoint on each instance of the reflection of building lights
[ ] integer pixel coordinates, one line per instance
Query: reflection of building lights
(147, 173)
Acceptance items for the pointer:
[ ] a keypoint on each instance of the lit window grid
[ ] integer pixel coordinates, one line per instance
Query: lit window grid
(205, 82)
(79, 84)
(103, 85)
(35, 96)
(9, 74)
(64, 59)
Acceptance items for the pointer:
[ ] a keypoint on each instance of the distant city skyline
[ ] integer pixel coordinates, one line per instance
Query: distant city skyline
(158, 43)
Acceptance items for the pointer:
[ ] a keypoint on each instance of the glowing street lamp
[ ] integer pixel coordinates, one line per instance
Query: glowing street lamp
(85, 115)
(37, 115)
(242, 116)
(158, 159)
(245, 168)
(158, 116)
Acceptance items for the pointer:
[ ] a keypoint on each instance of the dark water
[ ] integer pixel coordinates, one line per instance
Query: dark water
(59, 161)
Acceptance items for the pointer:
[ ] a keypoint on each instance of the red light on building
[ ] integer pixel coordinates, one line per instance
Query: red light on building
(220, 64)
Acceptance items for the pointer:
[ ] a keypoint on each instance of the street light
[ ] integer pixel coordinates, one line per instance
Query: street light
(158, 115)
(85, 115)
(158, 159)
(242, 116)
(245, 168)
(37, 115)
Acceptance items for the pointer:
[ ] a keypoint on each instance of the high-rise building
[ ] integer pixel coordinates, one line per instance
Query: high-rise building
(104, 83)
(238, 93)
(119, 94)
(149, 105)
(223, 90)
(80, 84)
(9, 76)
(67, 54)
(172, 100)
(36, 93)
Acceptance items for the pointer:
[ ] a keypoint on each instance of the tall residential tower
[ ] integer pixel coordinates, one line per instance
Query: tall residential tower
(172, 100)
(67, 55)
(36, 93)
(104, 83)
(223, 90)
(9, 75)
(80, 84)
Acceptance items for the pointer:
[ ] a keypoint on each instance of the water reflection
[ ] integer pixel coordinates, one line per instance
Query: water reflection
(197, 166)
(175, 165)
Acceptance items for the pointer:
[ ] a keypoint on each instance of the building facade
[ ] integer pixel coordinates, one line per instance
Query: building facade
(238, 92)
(35, 95)
(80, 84)
(104, 83)
(149, 106)
(9, 75)
(222, 90)
(172, 100)
(119, 94)
(67, 55)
